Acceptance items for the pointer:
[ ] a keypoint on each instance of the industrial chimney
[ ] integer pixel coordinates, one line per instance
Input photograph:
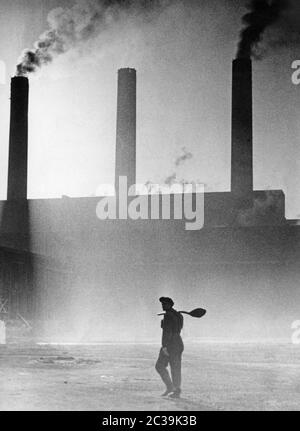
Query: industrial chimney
(18, 140)
(242, 146)
(126, 127)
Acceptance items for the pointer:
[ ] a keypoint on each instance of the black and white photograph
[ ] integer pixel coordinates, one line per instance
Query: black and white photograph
(149, 208)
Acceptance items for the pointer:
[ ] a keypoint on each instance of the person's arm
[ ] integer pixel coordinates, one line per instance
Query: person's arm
(167, 331)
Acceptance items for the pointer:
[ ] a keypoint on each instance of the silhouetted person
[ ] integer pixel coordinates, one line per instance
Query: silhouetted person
(171, 350)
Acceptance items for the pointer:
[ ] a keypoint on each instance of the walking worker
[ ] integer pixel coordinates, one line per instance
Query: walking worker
(171, 350)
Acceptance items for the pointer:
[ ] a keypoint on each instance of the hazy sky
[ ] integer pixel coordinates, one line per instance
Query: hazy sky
(183, 60)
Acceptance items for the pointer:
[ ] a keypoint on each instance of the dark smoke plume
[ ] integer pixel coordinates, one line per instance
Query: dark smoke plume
(73, 26)
(263, 14)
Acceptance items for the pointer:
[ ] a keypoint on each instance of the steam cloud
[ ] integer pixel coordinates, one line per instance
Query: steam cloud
(70, 27)
(263, 14)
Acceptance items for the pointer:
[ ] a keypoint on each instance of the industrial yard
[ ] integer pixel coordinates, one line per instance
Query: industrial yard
(216, 376)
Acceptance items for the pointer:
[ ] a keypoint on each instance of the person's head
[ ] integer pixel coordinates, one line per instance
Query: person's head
(166, 303)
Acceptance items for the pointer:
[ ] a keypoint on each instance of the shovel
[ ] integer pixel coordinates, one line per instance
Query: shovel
(198, 312)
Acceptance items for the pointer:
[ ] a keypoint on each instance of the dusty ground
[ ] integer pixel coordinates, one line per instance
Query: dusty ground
(122, 377)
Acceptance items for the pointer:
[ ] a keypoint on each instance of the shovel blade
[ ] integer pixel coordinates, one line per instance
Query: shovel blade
(198, 312)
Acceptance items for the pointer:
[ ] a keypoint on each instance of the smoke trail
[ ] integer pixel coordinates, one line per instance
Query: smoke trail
(70, 27)
(171, 179)
(185, 156)
(263, 13)
(180, 160)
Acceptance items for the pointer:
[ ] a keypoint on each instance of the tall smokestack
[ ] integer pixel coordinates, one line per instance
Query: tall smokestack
(126, 127)
(242, 146)
(18, 140)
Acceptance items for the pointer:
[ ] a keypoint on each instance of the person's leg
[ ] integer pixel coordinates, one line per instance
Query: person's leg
(175, 364)
(161, 368)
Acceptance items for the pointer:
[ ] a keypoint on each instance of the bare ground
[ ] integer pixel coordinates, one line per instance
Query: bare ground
(122, 377)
